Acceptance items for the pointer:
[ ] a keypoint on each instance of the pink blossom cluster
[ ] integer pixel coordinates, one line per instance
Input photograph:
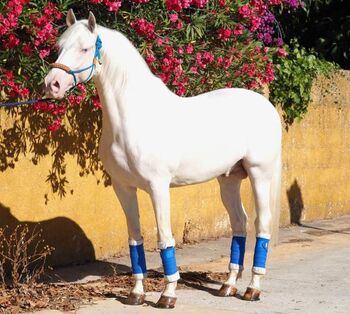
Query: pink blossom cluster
(8, 83)
(179, 5)
(112, 5)
(143, 28)
(9, 23)
(43, 31)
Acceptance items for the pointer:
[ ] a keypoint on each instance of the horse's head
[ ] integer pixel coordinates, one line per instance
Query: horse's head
(78, 55)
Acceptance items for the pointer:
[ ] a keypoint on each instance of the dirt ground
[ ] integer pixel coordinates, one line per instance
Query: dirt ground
(308, 272)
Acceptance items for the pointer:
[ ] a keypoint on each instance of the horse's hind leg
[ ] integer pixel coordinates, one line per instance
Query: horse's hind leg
(230, 195)
(128, 200)
(261, 179)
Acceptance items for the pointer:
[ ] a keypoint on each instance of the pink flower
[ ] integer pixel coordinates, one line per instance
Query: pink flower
(81, 88)
(143, 28)
(181, 90)
(173, 17)
(23, 92)
(222, 3)
(194, 70)
(59, 110)
(150, 58)
(43, 106)
(208, 57)
(220, 60)
(43, 53)
(180, 50)
(27, 50)
(244, 11)
(55, 126)
(159, 41)
(189, 48)
(224, 34)
(281, 52)
(238, 30)
(179, 25)
(11, 42)
(177, 5)
(96, 102)
(113, 5)
(199, 3)
(255, 23)
(275, 2)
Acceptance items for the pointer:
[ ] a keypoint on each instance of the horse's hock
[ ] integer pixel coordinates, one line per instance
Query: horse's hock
(88, 222)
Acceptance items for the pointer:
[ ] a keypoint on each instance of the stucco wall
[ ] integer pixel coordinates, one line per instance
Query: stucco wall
(316, 155)
(88, 222)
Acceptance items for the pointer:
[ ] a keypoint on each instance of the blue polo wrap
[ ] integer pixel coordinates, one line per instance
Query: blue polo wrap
(169, 261)
(237, 250)
(138, 260)
(260, 253)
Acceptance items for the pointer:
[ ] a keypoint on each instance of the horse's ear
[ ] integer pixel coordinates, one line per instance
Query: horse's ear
(91, 22)
(70, 19)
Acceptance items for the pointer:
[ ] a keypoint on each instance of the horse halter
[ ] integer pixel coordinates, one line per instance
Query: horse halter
(96, 60)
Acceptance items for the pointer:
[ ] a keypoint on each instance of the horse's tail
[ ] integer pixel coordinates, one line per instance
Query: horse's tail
(275, 197)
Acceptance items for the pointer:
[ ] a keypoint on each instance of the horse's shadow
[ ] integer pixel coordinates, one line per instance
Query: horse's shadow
(69, 241)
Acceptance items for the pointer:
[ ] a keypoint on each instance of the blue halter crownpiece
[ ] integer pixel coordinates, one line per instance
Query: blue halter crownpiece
(98, 46)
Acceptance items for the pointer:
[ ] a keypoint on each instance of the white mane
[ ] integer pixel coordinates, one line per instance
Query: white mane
(121, 57)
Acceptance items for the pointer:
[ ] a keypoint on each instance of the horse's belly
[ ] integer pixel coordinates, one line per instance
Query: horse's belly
(204, 167)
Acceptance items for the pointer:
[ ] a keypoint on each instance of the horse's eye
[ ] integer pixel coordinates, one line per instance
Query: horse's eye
(84, 50)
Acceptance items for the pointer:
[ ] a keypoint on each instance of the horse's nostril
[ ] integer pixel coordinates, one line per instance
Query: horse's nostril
(55, 86)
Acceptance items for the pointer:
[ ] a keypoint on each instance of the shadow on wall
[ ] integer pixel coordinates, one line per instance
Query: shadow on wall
(296, 204)
(69, 240)
(23, 132)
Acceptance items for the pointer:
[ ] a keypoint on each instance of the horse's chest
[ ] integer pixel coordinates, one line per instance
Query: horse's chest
(115, 161)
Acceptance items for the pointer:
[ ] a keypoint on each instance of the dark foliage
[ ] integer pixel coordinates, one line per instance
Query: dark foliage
(323, 25)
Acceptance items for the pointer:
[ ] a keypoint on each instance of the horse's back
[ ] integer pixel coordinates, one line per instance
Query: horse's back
(235, 113)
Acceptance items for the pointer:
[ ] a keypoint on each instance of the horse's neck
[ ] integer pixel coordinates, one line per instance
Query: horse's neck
(125, 84)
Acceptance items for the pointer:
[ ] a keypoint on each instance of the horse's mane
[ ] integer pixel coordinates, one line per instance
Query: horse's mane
(123, 53)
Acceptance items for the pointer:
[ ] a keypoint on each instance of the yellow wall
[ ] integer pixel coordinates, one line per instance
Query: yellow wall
(88, 222)
(316, 155)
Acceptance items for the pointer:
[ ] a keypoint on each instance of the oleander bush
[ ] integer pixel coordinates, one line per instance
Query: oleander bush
(193, 45)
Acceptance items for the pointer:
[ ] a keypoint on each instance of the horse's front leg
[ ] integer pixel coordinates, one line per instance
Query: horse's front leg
(128, 200)
(161, 202)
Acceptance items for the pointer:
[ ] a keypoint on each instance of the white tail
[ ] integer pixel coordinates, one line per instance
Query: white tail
(275, 198)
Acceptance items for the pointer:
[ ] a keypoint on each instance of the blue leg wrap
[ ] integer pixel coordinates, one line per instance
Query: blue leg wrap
(260, 255)
(138, 260)
(169, 263)
(237, 253)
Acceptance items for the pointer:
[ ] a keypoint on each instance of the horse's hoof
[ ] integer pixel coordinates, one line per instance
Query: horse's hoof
(135, 299)
(166, 302)
(251, 294)
(227, 291)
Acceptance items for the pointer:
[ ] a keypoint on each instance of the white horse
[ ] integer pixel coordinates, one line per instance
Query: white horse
(153, 139)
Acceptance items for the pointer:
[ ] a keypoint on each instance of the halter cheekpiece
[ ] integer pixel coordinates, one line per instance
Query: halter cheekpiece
(96, 60)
